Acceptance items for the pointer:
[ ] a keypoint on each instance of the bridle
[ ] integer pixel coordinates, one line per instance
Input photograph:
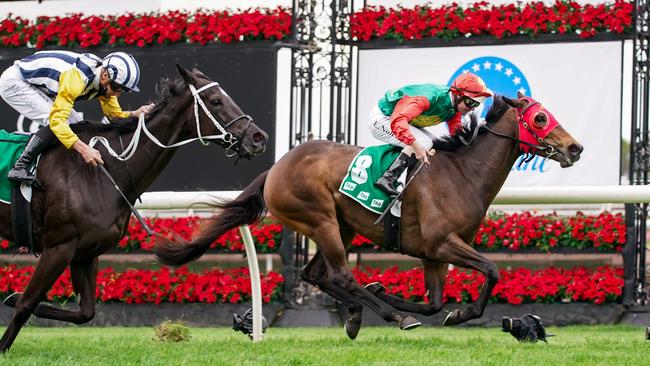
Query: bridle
(231, 143)
(529, 141)
(225, 136)
(129, 151)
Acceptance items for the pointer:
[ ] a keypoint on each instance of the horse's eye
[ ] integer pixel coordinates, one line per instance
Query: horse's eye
(215, 102)
(540, 120)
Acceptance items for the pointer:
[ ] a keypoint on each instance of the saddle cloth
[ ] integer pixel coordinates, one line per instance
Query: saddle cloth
(11, 146)
(368, 166)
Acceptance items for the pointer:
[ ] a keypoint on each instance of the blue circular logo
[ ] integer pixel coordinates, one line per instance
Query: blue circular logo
(500, 75)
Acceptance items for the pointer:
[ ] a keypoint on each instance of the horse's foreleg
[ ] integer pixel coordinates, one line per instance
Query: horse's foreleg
(315, 273)
(434, 280)
(329, 241)
(455, 251)
(84, 281)
(50, 266)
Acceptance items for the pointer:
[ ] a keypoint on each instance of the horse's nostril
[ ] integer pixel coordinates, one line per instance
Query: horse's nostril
(259, 137)
(575, 149)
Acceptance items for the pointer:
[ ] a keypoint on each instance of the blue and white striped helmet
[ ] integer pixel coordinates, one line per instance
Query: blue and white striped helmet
(123, 69)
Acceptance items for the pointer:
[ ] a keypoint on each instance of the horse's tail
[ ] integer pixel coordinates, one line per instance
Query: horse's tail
(247, 208)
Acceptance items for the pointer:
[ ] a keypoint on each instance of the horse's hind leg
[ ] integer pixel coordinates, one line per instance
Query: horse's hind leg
(327, 236)
(315, 273)
(455, 251)
(434, 280)
(84, 281)
(50, 266)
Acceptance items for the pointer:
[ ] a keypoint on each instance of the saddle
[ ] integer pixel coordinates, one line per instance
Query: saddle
(18, 196)
(21, 216)
(369, 164)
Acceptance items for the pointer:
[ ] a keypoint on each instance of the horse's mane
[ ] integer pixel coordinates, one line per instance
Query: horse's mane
(449, 143)
(163, 91)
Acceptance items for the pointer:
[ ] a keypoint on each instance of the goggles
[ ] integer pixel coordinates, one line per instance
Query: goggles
(118, 88)
(471, 103)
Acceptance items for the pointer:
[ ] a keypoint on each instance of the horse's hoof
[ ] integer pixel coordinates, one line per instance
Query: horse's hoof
(409, 322)
(452, 318)
(12, 299)
(352, 329)
(375, 288)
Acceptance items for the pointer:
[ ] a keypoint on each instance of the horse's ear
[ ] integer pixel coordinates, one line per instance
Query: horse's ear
(511, 102)
(185, 74)
(520, 94)
(198, 72)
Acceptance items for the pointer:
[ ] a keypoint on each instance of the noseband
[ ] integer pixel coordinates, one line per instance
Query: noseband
(235, 143)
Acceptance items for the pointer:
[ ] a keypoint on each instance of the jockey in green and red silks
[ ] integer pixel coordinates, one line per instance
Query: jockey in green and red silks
(399, 116)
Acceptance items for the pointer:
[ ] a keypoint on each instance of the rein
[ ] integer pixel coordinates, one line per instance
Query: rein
(225, 136)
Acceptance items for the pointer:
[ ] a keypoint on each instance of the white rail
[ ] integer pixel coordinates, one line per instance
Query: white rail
(508, 195)
(578, 194)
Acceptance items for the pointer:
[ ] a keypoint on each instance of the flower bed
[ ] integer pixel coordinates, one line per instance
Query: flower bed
(454, 21)
(200, 27)
(499, 231)
(154, 286)
(518, 286)
(605, 232)
(266, 234)
(203, 27)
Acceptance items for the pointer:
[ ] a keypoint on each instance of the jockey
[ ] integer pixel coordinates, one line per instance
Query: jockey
(44, 87)
(399, 116)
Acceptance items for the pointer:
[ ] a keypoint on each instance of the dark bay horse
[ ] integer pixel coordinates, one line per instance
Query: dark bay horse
(441, 210)
(80, 215)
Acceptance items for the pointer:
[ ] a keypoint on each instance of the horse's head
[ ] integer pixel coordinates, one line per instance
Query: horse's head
(219, 118)
(541, 134)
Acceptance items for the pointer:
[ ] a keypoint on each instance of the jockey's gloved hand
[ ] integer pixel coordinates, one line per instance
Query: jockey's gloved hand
(145, 109)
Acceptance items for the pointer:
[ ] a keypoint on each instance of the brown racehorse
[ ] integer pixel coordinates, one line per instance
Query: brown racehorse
(441, 210)
(80, 216)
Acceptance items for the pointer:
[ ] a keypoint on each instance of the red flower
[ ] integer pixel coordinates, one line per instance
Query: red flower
(482, 18)
(146, 29)
(517, 286)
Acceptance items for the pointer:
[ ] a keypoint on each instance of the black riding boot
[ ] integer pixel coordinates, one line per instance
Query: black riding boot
(387, 181)
(40, 141)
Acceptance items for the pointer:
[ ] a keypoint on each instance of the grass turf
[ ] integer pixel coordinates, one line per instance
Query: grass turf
(577, 345)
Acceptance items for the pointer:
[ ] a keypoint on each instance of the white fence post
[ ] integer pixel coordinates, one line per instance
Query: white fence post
(256, 287)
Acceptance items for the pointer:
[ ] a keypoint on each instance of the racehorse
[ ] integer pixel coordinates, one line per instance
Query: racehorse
(441, 210)
(79, 215)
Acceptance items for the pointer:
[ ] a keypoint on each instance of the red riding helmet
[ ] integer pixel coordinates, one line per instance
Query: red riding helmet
(471, 86)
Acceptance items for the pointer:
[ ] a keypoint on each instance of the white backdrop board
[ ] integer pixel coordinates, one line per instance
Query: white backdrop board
(580, 83)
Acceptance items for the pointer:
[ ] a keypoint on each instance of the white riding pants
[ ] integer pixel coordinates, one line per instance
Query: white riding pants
(27, 99)
(380, 129)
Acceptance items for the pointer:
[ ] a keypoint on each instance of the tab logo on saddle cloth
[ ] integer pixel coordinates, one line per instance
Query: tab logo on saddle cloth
(349, 186)
(364, 171)
(363, 195)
